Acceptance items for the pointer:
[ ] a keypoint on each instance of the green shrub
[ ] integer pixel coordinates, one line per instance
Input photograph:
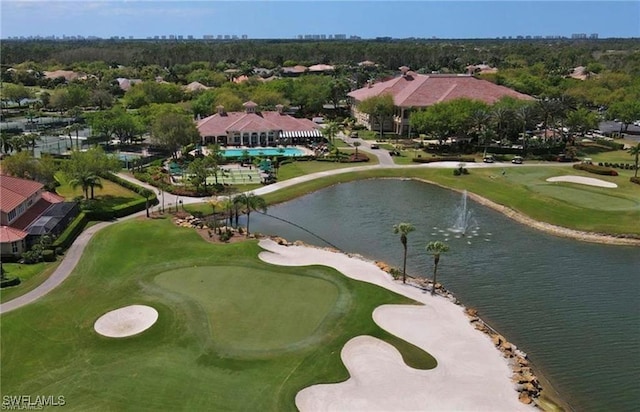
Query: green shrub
(48, 256)
(591, 168)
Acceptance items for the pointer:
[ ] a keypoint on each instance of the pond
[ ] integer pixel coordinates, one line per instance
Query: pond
(572, 306)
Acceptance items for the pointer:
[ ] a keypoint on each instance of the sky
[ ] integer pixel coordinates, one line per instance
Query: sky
(288, 19)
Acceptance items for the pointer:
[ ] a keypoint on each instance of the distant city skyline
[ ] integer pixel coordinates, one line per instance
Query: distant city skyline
(318, 19)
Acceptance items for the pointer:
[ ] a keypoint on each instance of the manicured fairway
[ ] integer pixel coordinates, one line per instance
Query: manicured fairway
(216, 345)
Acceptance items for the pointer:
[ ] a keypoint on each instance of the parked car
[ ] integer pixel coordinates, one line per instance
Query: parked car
(517, 160)
(488, 159)
(375, 146)
(353, 135)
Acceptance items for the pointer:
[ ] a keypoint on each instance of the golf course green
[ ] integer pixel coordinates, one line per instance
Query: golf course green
(233, 332)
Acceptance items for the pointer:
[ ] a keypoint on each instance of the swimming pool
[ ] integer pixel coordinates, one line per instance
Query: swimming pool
(265, 151)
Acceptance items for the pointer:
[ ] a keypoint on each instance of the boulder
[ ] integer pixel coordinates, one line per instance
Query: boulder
(525, 398)
(497, 339)
(472, 312)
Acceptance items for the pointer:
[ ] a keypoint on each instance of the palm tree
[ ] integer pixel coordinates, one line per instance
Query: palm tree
(253, 202)
(356, 145)
(94, 181)
(331, 130)
(68, 131)
(82, 180)
(6, 142)
(76, 127)
(525, 115)
(214, 202)
(436, 248)
(403, 229)
(30, 139)
(635, 151)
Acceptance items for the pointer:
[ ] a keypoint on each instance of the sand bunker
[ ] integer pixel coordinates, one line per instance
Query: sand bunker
(471, 375)
(583, 181)
(127, 321)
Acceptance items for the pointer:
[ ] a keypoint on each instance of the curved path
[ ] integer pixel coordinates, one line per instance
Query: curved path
(73, 254)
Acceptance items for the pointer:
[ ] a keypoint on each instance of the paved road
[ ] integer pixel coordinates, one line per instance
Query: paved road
(74, 253)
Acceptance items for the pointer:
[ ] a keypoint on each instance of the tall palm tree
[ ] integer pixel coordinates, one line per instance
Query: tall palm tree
(253, 202)
(76, 127)
(214, 202)
(68, 131)
(436, 248)
(635, 151)
(30, 139)
(525, 115)
(403, 229)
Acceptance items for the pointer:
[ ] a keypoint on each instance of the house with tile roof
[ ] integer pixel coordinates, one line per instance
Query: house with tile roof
(27, 211)
(411, 91)
(253, 127)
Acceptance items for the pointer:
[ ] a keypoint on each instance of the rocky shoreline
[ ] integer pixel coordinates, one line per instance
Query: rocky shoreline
(527, 382)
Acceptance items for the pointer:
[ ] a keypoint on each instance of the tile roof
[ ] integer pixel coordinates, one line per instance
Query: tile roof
(321, 68)
(195, 86)
(420, 90)
(9, 234)
(52, 197)
(218, 125)
(14, 191)
(68, 75)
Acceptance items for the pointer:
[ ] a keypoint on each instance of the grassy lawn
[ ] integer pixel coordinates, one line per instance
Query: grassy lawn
(233, 333)
(109, 196)
(30, 276)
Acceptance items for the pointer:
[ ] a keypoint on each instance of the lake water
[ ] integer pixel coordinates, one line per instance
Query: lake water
(574, 307)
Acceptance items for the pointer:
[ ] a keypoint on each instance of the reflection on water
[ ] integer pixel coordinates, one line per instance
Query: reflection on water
(572, 306)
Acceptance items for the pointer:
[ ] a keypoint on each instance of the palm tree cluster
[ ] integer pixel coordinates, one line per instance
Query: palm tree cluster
(232, 207)
(434, 248)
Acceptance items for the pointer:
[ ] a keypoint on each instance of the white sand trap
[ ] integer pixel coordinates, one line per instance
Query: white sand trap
(583, 181)
(472, 375)
(127, 321)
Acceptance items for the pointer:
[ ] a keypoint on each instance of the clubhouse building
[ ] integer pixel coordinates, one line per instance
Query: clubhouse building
(411, 91)
(253, 128)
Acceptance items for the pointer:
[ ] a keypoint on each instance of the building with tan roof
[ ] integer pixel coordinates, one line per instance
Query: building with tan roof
(195, 86)
(411, 91)
(28, 211)
(256, 128)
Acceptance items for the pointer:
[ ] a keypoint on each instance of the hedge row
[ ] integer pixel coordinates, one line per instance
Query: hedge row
(71, 232)
(626, 166)
(599, 170)
(443, 159)
(10, 282)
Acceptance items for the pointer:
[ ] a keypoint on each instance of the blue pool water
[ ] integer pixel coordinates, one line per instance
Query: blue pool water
(288, 151)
